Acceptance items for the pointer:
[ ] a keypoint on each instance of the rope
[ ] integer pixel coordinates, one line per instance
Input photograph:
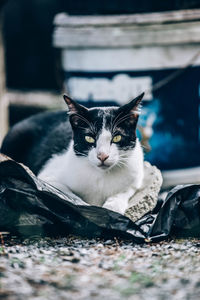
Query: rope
(174, 75)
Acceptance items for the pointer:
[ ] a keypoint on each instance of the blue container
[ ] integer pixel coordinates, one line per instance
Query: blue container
(170, 122)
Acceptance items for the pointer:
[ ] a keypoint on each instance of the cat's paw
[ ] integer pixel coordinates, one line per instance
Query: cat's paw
(116, 203)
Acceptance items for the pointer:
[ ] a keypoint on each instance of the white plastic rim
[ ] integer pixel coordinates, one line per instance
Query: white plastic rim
(181, 176)
(128, 59)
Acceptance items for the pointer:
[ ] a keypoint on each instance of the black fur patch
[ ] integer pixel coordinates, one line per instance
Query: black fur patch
(122, 120)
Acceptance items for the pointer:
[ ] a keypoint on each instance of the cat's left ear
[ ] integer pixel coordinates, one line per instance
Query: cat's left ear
(131, 109)
(133, 106)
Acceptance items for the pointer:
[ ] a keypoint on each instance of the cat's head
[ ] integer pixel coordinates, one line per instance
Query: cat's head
(104, 135)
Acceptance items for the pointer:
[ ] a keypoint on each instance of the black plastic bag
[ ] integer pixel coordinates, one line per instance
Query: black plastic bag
(29, 206)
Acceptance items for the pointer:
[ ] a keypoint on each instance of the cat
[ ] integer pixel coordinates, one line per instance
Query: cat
(91, 153)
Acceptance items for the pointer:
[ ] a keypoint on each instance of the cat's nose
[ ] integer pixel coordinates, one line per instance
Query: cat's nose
(102, 156)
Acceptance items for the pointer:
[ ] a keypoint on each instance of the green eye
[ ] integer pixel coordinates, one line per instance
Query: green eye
(89, 139)
(117, 139)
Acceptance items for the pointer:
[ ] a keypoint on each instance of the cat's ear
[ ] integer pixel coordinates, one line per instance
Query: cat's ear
(74, 107)
(76, 111)
(131, 109)
(133, 106)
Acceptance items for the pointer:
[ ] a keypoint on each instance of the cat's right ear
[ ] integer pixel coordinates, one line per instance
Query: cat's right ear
(76, 111)
(73, 106)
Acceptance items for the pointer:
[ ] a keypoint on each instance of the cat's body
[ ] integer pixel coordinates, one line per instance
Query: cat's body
(93, 185)
(98, 157)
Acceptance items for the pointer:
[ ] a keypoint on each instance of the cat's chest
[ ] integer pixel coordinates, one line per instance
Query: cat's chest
(95, 187)
(86, 181)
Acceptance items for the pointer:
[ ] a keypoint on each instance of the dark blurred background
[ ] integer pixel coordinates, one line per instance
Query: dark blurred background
(43, 59)
(31, 60)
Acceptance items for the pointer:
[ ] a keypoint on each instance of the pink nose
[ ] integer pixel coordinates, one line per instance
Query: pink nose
(102, 156)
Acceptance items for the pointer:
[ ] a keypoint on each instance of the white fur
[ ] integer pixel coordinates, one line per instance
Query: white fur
(109, 187)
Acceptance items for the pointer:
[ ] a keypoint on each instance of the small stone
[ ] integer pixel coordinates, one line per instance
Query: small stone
(108, 242)
(184, 281)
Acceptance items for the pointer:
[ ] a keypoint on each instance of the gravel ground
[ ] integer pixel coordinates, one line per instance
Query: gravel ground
(77, 268)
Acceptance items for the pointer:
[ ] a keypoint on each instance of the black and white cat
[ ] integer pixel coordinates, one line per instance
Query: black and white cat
(94, 153)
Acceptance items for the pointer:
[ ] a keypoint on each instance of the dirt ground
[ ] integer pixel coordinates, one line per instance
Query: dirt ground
(77, 268)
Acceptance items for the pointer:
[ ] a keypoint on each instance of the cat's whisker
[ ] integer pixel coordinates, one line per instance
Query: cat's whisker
(123, 119)
(115, 120)
(94, 126)
(123, 156)
(80, 154)
(87, 122)
(118, 119)
(124, 160)
(144, 147)
(122, 164)
(119, 166)
(80, 127)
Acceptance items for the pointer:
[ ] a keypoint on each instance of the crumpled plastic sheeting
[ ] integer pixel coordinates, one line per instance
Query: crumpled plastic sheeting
(29, 206)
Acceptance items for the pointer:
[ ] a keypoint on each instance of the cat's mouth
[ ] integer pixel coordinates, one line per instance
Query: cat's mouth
(103, 166)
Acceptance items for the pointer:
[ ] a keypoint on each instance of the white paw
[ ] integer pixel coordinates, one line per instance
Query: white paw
(117, 204)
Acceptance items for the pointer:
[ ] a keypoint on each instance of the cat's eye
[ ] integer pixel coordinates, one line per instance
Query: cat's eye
(89, 139)
(117, 139)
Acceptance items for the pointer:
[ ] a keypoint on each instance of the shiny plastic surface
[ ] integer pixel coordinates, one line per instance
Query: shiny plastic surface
(29, 206)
